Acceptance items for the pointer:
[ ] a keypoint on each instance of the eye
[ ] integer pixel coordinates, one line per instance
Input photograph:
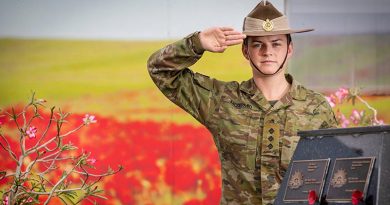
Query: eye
(256, 45)
(276, 44)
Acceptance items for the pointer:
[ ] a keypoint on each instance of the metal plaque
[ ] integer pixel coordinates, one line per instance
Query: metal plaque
(349, 175)
(305, 175)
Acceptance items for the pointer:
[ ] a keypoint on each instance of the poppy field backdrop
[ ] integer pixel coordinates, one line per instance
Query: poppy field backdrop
(168, 157)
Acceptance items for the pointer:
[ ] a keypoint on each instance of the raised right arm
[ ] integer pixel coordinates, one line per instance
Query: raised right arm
(169, 70)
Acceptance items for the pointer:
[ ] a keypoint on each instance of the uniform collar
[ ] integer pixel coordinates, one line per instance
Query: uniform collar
(296, 92)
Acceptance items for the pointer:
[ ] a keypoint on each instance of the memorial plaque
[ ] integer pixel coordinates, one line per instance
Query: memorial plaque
(305, 175)
(349, 175)
(361, 158)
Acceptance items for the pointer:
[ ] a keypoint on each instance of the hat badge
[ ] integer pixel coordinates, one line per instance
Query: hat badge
(268, 25)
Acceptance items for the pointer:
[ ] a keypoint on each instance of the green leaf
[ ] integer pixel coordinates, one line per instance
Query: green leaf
(99, 196)
(68, 147)
(72, 194)
(67, 199)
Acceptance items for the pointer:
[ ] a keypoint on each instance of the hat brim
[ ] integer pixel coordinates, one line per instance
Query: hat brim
(271, 33)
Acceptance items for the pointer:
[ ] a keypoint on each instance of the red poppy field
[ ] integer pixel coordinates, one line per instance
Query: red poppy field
(164, 163)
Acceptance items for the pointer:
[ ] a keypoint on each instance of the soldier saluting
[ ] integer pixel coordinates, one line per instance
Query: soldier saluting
(254, 123)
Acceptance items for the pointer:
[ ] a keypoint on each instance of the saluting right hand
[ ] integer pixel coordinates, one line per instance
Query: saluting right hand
(217, 39)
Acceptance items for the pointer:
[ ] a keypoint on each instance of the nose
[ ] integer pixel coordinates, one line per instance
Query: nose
(266, 51)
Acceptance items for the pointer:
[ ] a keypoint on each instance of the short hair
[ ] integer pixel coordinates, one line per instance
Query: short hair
(289, 39)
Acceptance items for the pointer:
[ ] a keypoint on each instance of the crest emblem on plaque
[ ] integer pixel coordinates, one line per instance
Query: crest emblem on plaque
(339, 178)
(296, 180)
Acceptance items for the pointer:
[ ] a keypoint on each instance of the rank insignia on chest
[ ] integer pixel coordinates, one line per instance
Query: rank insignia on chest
(271, 135)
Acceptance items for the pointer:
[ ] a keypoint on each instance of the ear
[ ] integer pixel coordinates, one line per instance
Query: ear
(290, 50)
(244, 49)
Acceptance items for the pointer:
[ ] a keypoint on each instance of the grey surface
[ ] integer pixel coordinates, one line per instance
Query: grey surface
(359, 142)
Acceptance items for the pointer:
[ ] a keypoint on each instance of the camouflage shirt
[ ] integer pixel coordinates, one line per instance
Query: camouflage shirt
(255, 140)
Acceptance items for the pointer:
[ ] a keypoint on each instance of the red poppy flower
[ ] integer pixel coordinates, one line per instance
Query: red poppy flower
(312, 197)
(356, 197)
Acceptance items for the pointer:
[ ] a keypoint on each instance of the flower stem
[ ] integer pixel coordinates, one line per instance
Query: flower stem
(369, 107)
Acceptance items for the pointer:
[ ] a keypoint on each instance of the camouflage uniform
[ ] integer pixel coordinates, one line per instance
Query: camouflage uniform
(255, 140)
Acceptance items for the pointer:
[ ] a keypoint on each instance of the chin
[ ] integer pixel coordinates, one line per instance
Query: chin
(268, 71)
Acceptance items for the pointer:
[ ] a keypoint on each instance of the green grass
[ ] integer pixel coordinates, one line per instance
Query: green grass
(68, 69)
(91, 76)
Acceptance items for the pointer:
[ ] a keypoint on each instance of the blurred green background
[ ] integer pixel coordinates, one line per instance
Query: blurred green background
(110, 77)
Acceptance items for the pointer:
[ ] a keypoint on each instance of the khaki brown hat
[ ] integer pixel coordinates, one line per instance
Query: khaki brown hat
(266, 20)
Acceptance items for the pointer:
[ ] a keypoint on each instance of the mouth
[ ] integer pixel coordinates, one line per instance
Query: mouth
(268, 61)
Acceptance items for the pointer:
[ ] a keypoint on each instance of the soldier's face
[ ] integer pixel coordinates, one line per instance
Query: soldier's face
(268, 52)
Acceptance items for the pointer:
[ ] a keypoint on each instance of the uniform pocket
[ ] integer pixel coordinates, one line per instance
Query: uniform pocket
(234, 122)
(235, 131)
(288, 148)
